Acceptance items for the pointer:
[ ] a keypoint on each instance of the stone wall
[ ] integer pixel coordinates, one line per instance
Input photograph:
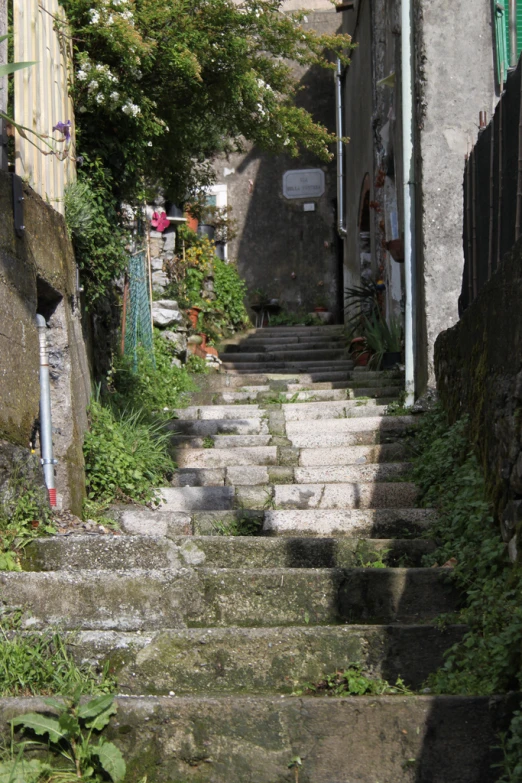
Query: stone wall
(38, 274)
(287, 252)
(478, 365)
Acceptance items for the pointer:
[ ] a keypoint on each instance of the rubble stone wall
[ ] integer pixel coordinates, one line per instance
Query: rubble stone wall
(478, 365)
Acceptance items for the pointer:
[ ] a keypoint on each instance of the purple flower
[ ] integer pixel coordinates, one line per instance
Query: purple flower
(65, 128)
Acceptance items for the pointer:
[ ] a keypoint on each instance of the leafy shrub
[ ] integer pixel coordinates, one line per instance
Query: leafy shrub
(488, 660)
(93, 224)
(125, 457)
(230, 292)
(154, 386)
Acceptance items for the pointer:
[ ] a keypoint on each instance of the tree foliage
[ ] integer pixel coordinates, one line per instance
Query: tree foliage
(162, 87)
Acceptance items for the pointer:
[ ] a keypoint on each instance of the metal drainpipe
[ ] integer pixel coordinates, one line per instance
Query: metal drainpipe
(409, 196)
(46, 431)
(341, 225)
(513, 33)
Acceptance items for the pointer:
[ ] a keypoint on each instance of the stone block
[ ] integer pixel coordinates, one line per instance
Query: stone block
(177, 340)
(165, 313)
(169, 242)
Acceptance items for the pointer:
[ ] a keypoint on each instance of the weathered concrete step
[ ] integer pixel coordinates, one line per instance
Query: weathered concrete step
(87, 553)
(275, 331)
(262, 660)
(219, 441)
(376, 523)
(313, 410)
(347, 523)
(287, 456)
(230, 380)
(290, 496)
(332, 410)
(263, 394)
(235, 739)
(257, 475)
(216, 458)
(204, 428)
(382, 423)
(205, 597)
(206, 412)
(310, 440)
(271, 357)
(297, 344)
(274, 366)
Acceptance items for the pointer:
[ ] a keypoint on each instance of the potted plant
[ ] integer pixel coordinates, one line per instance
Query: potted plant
(359, 351)
(384, 341)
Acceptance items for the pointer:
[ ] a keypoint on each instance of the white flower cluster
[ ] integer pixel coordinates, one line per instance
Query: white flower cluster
(130, 109)
(125, 14)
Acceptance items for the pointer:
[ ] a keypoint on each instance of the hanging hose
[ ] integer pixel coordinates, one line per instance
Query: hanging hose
(46, 430)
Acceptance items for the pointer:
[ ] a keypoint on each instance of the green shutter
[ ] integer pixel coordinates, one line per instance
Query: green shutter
(500, 15)
(519, 28)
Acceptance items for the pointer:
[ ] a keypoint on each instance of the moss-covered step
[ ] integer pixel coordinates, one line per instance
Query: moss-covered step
(135, 600)
(77, 553)
(234, 739)
(262, 660)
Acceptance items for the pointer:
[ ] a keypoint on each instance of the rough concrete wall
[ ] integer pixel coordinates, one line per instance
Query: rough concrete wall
(479, 373)
(455, 80)
(37, 273)
(373, 123)
(276, 237)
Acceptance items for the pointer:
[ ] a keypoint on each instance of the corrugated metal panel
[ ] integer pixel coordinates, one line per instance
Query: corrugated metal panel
(42, 98)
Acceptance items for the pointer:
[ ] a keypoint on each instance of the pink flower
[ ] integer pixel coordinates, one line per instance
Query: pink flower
(160, 222)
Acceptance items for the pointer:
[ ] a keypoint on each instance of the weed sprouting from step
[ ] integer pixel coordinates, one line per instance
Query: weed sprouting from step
(368, 557)
(71, 738)
(241, 525)
(24, 516)
(208, 442)
(398, 407)
(351, 682)
(33, 664)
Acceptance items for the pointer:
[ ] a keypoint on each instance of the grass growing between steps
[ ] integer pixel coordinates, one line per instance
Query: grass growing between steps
(33, 664)
(488, 660)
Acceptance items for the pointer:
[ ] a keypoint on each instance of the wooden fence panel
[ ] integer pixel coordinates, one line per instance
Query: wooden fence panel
(42, 98)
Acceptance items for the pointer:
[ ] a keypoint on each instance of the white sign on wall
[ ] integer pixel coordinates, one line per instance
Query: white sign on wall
(303, 183)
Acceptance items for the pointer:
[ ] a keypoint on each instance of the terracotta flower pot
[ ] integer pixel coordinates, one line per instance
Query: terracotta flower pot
(193, 313)
(395, 248)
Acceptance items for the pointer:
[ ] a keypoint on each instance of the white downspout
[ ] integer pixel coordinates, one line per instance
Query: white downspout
(409, 196)
(46, 430)
(341, 225)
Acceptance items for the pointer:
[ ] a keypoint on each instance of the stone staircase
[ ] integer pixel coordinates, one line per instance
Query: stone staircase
(212, 632)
